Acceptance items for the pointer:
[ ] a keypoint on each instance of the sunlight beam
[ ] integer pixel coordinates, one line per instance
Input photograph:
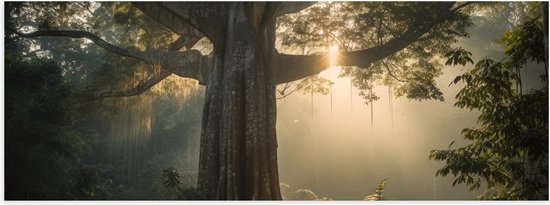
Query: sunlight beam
(333, 52)
(333, 71)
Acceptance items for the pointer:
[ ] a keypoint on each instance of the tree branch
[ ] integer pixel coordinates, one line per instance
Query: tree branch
(205, 17)
(188, 64)
(391, 74)
(90, 36)
(187, 41)
(462, 6)
(363, 58)
(140, 88)
(292, 91)
(282, 92)
(294, 67)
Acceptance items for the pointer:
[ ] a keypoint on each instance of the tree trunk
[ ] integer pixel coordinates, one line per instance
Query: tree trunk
(238, 155)
(545, 27)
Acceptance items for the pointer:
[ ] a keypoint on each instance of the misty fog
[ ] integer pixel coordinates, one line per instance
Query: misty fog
(148, 145)
(343, 157)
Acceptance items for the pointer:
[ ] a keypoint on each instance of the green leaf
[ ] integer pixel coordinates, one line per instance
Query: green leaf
(455, 81)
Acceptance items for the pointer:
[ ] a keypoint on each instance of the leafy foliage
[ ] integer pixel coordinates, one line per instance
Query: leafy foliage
(377, 195)
(523, 44)
(361, 25)
(508, 149)
(458, 56)
(43, 145)
(314, 84)
(172, 180)
(57, 145)
(90, 183)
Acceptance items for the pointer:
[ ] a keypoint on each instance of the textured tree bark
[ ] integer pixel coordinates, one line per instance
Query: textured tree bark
(238, 155)
(545, 30)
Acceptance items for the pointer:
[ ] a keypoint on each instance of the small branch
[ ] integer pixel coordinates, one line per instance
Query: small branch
(178, 44)
(391, 74)
(292, 91)
(87, 6)
(90, 36)
(393, 34)
(282, 92)
(140, 88)
(186, 41)
(462, 6)
(363, 58)
(339, 42)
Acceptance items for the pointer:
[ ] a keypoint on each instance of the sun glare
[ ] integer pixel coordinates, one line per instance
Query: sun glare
(333, 52)
(332, 71)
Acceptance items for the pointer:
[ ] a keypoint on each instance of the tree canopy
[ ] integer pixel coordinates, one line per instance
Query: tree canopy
(402, 32)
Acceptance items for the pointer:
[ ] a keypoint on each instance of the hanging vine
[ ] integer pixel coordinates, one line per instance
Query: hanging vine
(390, 104)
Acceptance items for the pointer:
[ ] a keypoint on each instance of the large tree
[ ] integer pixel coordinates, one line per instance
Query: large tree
(238, 151)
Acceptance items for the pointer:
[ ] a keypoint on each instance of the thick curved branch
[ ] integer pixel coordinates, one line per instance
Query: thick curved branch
(178, 17)
(140, 88)
(294, 67)
(188, 64)
(184, 41)
(363, 58)
(90, 36)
